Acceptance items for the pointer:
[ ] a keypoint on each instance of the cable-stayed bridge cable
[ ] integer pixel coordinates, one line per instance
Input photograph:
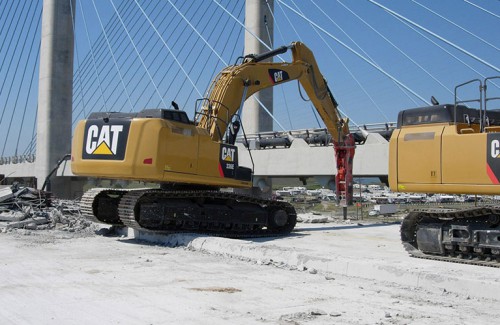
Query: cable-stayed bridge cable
(12, 56)
(400, 50)
(73, 19)
(173, 44)
(249, 31)
(456, 25)
(160, 51)
(356, 53)
(475, 57)
(347, 68)
(193, 45)
(215, 69)
(5, 11)
(343, 63)
(117, 40)
(408, 95)
(166, 45)
(197, 32)
(138, 54)
(481, 8)
(12, 16)
(287, 109)
(442, 48)
(15, 54)
(112, 54)
(268, 47)
(30, 87)
(14, 107)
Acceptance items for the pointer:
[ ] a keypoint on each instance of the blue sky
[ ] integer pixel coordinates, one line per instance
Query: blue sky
(441, 66)
(386, 98)
(378, 99)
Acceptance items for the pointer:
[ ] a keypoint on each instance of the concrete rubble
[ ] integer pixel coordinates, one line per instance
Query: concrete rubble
(29, 208)
(313, 218)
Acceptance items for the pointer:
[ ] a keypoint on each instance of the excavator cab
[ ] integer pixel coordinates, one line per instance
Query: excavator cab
(449, 148)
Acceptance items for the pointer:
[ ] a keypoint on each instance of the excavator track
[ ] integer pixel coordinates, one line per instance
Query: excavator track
(466, 236)
(207, 212)
(101, 205)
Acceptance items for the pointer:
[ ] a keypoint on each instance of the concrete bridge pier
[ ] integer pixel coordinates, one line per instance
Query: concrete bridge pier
(259, 20)
(55, 95)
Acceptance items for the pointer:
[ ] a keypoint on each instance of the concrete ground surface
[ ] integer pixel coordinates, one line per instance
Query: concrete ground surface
(321, 274)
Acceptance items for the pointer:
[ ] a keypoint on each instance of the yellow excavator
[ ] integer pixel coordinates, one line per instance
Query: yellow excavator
(450, 149)
(193, 160)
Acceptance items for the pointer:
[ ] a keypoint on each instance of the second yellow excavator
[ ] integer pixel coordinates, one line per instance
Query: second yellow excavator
(451, 149)
(193, 160)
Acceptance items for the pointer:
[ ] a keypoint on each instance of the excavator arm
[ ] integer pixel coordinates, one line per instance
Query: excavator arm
(236, 83)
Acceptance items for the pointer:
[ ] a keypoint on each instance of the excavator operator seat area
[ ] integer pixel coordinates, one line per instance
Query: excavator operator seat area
(493, 121)
(438, 114)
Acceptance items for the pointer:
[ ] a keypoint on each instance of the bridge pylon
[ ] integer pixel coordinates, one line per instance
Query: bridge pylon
(259, 23)
(55, 93)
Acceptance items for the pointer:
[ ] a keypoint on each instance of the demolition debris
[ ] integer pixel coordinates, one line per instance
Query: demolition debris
(29, 208)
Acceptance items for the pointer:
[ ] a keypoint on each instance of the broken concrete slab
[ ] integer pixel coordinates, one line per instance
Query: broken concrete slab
(28, 208)
(12, 216)
(31, 223)
(312, 218)
(6, 194)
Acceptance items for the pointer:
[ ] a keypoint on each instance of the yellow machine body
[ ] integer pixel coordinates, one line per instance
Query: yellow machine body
(153, 149)
(439, 155)
(449, 149)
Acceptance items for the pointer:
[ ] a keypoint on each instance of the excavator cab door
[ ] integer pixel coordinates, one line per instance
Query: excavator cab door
(419, 154)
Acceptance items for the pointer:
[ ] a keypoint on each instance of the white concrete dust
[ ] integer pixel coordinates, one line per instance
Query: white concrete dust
(57, 277)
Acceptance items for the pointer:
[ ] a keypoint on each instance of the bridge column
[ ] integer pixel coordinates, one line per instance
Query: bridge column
(257, 13)
(259, 20)
(55, 95)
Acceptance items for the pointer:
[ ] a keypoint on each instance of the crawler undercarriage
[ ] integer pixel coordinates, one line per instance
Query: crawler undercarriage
(470, 236)
(212, 212)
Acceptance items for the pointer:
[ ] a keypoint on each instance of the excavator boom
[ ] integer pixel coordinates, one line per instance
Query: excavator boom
(236, 83)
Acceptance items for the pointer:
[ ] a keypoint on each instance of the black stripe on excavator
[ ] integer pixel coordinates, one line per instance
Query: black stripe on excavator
(105, 139)
(493, 157)
(278, 76)
(228, 162)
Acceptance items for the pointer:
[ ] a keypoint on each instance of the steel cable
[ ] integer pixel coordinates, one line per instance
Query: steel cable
(12, 58)
(32, 19)
(95, 62)
(129, 71)
(205, 65)
(7, 51)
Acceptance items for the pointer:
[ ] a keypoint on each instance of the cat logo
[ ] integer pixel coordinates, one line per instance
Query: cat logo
(228, 162)
(228, 154)
(495, 149)
(493, 157)
(278, 76)
(105, 140)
